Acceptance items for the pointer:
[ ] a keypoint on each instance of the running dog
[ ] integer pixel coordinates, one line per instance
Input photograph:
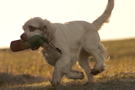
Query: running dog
(70, 42)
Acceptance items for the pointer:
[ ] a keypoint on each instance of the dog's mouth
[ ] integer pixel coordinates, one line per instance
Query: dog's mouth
(35, 41)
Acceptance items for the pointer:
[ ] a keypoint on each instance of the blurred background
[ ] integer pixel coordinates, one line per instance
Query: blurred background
(14, 13)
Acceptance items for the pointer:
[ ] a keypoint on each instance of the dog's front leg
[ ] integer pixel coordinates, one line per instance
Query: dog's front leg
(61, 67)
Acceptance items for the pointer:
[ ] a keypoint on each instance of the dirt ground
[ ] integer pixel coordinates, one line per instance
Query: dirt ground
(27, 82)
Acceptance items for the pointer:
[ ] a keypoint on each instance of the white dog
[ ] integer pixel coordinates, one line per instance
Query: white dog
(69, 42)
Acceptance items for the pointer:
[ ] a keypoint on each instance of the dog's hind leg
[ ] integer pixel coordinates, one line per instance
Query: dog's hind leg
(83, 61)
(93, 46)
(99, 67)
(99, 57)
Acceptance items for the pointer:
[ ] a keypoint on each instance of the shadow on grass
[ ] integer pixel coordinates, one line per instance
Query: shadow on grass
(27, 82)
(10, 79)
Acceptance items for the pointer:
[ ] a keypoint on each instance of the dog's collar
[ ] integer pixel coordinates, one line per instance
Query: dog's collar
(52, 45)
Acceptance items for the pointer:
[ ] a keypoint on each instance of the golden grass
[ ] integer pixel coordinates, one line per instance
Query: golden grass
(120, 66)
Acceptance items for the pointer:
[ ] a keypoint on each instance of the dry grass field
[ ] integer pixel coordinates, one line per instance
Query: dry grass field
(26, 70)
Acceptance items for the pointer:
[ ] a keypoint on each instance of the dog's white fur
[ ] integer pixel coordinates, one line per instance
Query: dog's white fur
(76, 39)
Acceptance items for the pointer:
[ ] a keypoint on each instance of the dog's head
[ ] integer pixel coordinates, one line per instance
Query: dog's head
(34, 26)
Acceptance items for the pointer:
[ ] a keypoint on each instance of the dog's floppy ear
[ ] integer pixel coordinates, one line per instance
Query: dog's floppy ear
(49, 29)
(43, 28)
(46, 25)
(46, 22)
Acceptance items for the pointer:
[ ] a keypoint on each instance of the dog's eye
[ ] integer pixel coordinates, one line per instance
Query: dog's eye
(32, 28)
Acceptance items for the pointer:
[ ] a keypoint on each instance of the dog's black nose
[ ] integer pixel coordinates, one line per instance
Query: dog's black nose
(23, 37)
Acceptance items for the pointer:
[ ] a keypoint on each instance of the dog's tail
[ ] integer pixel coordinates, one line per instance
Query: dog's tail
(104, 18)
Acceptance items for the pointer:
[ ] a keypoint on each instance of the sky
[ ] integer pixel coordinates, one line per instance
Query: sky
(14, 13)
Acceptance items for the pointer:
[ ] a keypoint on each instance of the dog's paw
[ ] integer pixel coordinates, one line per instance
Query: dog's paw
(95, 71)
(55, 82)
(79, 75)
